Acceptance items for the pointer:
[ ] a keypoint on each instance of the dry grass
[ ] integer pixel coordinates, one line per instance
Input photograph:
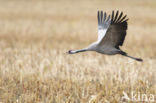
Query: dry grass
(34, 36)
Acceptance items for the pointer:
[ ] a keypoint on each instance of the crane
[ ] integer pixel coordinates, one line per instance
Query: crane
(111, 35)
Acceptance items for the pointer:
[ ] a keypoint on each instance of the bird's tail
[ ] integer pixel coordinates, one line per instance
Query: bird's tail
(125, 54)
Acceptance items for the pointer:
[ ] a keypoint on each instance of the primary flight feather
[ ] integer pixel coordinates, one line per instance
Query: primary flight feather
(111, 35)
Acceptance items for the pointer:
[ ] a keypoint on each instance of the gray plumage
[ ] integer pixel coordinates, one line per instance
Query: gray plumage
(111, 35)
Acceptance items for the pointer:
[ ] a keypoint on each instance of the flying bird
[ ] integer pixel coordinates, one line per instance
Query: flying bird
(111, 35)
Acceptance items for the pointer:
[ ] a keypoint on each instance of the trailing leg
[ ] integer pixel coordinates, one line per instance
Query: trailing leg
(125, 54)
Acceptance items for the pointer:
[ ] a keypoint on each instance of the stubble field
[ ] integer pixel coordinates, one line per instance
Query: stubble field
(34, 68)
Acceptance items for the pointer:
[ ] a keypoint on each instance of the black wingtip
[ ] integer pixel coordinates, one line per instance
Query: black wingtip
(119, 17)
(105, 16)
(98, 12)
(112, 18)
(122, 19)
(101, 16)
(126, 19)
(116, 16)
(98, 17)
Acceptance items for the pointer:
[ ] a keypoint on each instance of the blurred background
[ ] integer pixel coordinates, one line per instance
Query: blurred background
(35, 34)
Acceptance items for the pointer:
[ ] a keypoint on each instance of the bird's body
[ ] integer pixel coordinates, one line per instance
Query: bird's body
(111, 35)
(104, 49)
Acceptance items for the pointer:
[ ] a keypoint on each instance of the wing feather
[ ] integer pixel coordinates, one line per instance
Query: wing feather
(108, 18)
(112, 16)
(98, 16)
(119, 17)
(101, 17)
(102, 25)
(105, 15)
(122, 19)
(116, 16)
(116, 32)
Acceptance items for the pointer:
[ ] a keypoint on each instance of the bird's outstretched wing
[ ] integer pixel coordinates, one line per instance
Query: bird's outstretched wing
(116, 32)
(103, 24)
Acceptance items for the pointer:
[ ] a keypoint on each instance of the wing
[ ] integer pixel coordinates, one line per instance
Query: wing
(103, 24)
(116, 32)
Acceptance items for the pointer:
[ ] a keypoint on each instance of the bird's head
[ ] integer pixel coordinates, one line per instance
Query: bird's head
(70, 52)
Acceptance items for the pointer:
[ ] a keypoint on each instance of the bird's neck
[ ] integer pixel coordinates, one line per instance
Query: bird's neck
(77, 51)
(92, 47)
